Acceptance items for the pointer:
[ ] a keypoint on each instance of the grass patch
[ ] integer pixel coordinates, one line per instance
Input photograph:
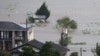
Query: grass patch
(86, 31)
(80, 43)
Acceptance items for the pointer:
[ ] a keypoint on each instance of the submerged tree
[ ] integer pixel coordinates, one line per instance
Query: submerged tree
(27, 51)
(63, 25)
(66, 22)
(43, 10)
(65, 41)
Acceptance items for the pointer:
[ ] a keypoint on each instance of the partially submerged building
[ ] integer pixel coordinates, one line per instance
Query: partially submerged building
(13, 37)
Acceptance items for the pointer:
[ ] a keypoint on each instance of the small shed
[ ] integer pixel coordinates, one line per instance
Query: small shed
(39, 18)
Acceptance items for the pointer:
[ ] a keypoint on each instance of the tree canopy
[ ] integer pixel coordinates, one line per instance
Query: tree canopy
(65, 41)
(4, 53)
(43, 10)
(74, 54)
(67, 23)
(47, 50)
(96, 51)
(27, 51)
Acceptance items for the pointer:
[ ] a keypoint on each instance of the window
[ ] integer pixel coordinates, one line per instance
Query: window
(6, 34)
(1, 34)
(19, 33)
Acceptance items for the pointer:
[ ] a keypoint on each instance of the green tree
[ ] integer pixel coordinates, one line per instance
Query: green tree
(4, 53)
(74, 54)
(27, 51)
(47, 50)
(66, 22)
(66, 41)
(96, 51)
(43, 10)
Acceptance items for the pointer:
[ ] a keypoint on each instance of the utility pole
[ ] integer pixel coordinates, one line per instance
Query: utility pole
(80, 51)
(26, 39)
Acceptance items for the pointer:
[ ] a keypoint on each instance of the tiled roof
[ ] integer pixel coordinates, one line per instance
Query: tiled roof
(38, 45)
(10, 26)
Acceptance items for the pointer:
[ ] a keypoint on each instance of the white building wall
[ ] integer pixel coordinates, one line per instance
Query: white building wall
(30, 34)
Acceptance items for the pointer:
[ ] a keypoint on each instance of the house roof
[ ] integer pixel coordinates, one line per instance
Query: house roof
(38, 45)
(10, 26)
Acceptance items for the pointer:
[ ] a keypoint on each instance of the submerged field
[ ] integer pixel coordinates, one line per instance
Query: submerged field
(85, 12)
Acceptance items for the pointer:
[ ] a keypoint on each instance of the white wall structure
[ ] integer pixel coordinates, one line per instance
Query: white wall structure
(65, 30)
(30, 34)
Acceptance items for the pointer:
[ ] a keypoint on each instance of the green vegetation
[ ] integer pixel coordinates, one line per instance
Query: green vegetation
(65, 41)
(47, 50)
(96, 51)
(4, 53)
(68, 40)
(90, 30)
(27, 51)
(74, 54)
(80, 43)
(43, 10)
(31, 19)
(66, 22)
(86, 31)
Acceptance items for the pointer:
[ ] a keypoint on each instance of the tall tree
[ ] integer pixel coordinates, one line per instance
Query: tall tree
(4, 53)
(43, 10)
(47, 50)
(27, 51)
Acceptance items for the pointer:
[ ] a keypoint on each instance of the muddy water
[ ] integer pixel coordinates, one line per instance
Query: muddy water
(85, 12)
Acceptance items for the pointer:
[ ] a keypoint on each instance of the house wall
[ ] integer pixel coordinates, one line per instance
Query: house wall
(8, 39)
(30, 34)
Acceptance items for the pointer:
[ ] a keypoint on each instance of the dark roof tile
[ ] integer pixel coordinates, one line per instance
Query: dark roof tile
(39, 45)
(5, 25)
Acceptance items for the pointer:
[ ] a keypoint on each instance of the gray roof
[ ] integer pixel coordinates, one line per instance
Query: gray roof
(10, 26)
(38, 45)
